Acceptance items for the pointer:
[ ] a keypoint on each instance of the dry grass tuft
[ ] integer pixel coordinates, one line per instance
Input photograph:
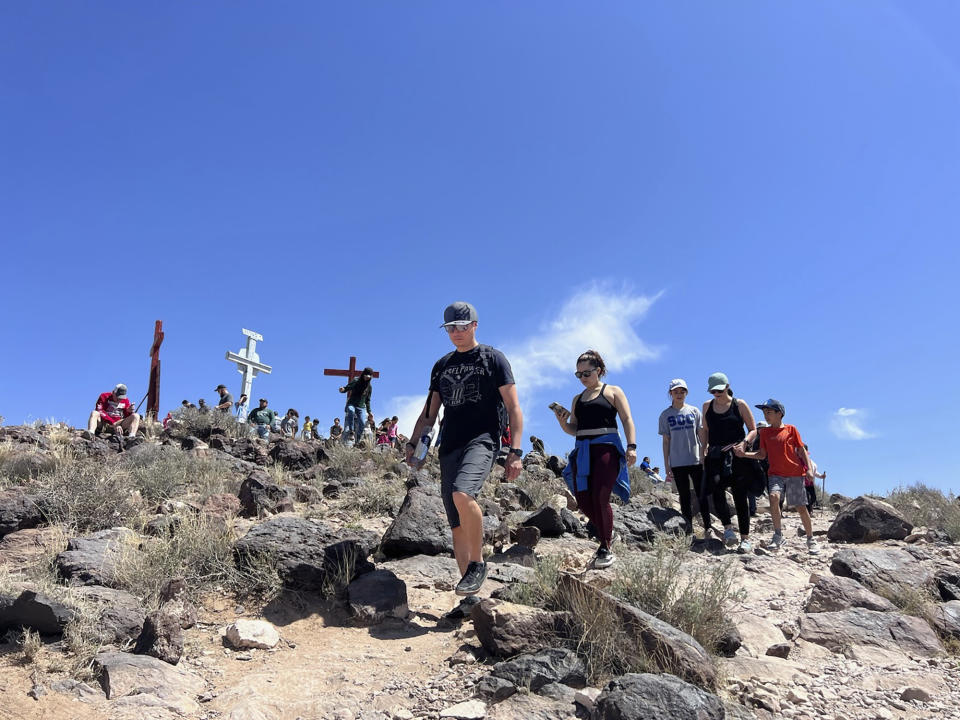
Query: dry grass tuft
(928, 507)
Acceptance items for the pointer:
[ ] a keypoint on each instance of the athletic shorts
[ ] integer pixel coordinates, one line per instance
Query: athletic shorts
(790, 487)
(464, 470)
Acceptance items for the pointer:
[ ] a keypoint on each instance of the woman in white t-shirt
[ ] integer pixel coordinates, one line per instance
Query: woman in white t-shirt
(682, 455)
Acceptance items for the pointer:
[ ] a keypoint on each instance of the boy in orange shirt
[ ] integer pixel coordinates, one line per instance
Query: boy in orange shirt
(782, 448)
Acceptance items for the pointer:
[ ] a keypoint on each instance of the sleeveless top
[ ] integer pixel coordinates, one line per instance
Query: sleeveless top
(595, 417)
(724, 428)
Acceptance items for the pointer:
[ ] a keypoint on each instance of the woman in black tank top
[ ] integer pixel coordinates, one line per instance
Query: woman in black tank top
(594, 414)
(727, 421)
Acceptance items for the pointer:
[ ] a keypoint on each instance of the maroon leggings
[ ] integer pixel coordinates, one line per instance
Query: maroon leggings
(595, 500)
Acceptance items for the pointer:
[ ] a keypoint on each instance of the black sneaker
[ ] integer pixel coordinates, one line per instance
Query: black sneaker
(472, 579)
(463, 609)
(603, 559)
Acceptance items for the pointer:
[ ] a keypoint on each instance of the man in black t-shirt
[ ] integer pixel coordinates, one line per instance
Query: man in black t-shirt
(475, 385)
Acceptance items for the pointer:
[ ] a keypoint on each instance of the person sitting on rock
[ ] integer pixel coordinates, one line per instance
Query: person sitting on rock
(537, 445)
(290, 423)
(336, 430)
(262, 418)
(114, 411)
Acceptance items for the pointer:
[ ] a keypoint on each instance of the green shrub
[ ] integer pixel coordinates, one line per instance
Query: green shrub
(163, 472)
(542, 592)
(190, 421)
(88, 495)
(928, 507)
(375, 496)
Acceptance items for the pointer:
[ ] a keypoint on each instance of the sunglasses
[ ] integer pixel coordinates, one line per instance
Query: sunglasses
(717, 392)
(584, 373)
(456, 328)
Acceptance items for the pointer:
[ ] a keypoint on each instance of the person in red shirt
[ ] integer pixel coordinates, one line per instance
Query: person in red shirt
(114, 411)
(782, 448)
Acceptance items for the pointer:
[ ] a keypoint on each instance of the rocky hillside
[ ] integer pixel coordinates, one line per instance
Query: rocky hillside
(198, 574)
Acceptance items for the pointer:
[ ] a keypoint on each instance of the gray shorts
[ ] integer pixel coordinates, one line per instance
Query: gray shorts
(791, 487)
(464, 470)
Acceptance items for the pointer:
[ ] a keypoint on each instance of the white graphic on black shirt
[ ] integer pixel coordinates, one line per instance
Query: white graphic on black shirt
(458, 387)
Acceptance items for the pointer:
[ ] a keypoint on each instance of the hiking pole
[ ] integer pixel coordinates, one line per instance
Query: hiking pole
(137, 408)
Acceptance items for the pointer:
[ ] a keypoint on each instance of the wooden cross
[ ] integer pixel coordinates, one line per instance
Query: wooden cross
(350, 373)
(153, 388)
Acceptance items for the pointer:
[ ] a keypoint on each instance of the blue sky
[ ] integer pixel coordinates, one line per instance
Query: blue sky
(767, 189)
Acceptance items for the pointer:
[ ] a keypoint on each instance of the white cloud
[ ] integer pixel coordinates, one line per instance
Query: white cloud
(593, 318)
(847, 424)
(596, 318)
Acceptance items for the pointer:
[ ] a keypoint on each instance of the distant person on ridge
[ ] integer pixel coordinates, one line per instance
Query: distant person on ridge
(290, 423)
(810, 484)
(536, 445)
(474, 383)
(113, 410)
(307, 428)
(226, 399)
(598, 464)
(336, 430)
(357, 409)
(262, 418)
(790, 463)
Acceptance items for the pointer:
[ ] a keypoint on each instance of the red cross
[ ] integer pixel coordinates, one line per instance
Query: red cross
(351, 373)
(153, 388)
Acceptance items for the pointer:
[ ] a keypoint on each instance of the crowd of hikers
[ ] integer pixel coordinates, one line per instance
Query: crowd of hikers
(707, 451)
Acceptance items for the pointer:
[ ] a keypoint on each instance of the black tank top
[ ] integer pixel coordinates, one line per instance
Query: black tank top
(726, 428)
(595, 417)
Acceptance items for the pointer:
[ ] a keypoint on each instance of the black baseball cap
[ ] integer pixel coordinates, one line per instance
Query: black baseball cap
(459, 313)
(772, 404)
(221, 385)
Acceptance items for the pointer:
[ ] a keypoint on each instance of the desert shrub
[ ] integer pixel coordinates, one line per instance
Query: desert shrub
(163, 472)
(88, 495)
(20, 463)
(640, 482)
(31, 646)
(190, 421)
(359, 462)
(928, 507)
(200, 550)
(82, 640)
(540, 490)
(542, 592)
(691, 597)
(915, 601)
(376, 496)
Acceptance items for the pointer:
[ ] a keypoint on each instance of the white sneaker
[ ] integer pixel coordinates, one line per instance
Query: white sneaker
(812, 546)
(776, 541)
(745, 548)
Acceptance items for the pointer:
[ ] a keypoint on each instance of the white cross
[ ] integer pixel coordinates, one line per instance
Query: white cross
(248, 363)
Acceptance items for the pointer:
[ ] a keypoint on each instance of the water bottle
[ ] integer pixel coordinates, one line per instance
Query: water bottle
(420, 454)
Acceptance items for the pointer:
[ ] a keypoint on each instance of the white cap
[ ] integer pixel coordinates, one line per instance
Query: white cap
(677, 382)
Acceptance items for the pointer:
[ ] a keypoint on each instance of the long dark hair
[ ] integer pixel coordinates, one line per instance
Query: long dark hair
(593, 357)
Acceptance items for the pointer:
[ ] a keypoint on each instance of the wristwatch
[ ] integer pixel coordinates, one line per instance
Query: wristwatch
(516, 451)
(632, 446)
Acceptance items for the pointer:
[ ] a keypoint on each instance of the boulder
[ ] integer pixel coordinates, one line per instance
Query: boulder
(556, 465)
(884, 570)
(513, 497)
(638, 524)
(495, 689)
(297, 454)
(945, 618)
(867, 520)
(505, 629)
(517, 554)
(18, 511)
(250, 450)
(174, 599)
(533, 671)
(161, 637)
(256, 634)
(307, 552)
(192, 442)
(123, 674)
(259, 495)
(34, 610)
(376, 596)
(121, 614)
(640, 696)
(427, 571)
(672, 649)
(92, 559)
(527, 536)
(859, 626)
(420, 527)
(548, 520)
(223, 505)
(833, 593)
(23, 548)
(946, 579)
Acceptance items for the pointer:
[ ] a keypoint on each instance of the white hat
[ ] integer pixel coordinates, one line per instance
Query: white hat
(677, 382)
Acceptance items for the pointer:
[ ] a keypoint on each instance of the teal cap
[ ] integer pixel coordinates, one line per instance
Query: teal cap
(717, 381)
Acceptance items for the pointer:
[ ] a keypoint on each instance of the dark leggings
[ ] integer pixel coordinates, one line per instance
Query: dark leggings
(682, 477)
(811, 497)
(595, 500)
(739, 484)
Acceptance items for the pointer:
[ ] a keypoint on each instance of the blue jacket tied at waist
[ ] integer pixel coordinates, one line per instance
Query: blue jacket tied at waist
(580, 463)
